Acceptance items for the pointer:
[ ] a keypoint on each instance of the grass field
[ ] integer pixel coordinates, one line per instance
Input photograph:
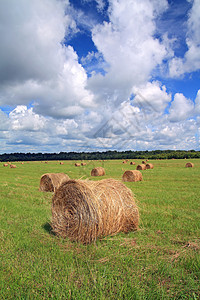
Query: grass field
(160, 261)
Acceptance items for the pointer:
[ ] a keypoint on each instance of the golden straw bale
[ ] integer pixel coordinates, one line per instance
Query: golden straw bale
(83, 164)
(61, 163)
(132, 175)
(141, 167)
(132, 163)
(85, 210)
(5, 165)
(49, 182)
(77, 165)
(149, 166)
(189, 165)
(99, 171)
(124, 162)
(144, 162)
(13, 166)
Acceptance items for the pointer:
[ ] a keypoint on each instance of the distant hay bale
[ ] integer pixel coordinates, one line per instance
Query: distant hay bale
(149, 166)
(141, 167)
(5, 165)
(144, 162)
(132, 163)
(83, 164)
(189, 165)
(124, 162)
(61, 163)
(49, 182)
(77, 165)
(85, 210)
(132, 176)
(13, 166)
(22, 163)
(99, 171)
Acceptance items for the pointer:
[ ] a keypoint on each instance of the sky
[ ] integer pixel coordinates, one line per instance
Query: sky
(98, 75)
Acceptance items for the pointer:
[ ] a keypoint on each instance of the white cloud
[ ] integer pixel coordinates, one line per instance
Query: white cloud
(39, 67)
(181, 108)
(191, 60)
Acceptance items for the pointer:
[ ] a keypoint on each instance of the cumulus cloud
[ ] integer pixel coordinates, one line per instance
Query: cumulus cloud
(129, 47)
(191, 61)
(181, 108)
(39, 67)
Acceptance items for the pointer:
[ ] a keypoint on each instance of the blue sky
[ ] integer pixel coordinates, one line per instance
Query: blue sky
(87, 75)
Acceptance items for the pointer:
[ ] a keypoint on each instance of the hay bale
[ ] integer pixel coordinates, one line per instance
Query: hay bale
(124, 162)
(132, 176)
(132, 163)
(77, 165)
(141, 167)
(61, 163)
(85, 210)
(99, 171)
(13, 166)
(5, 165)
(144, 162)
(149, 166)
(189, 165)
(51, 181)
(83, 164)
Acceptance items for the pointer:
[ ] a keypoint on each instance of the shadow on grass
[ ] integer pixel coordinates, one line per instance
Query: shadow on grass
(48, 228)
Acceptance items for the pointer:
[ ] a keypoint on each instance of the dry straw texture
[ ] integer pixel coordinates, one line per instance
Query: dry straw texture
(189, 165)
(132, 175)
(13, 166)
(99, 171)
(51, 181)
(77, 165)
(141, 167)
(149, 166)
(61, 163)
(5, 165)
(84, 210)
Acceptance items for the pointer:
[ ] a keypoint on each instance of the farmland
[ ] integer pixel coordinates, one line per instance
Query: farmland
(159, 261)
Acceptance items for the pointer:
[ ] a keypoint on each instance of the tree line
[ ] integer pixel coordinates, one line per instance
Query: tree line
(154, 154)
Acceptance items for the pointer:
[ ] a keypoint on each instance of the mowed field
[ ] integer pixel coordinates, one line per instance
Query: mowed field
(159, 261)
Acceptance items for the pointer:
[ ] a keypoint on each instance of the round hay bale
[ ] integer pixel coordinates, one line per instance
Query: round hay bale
(83, 164)
(141, 167)
(132, 163)
(5, 165)
(77, 165)
(189, 165)
(61, 163)
(144, 162)
(132, 176)
(85, 210)
(13, 166)
(124, 162)
(99, 171)
(149, 166)
(51, 181)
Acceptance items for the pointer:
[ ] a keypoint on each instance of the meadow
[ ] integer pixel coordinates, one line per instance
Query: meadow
(159, 261)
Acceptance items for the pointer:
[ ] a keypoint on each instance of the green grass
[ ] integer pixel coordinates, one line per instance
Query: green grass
(160, 261)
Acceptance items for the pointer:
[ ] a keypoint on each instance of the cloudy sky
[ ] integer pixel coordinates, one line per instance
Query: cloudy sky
(88, 75)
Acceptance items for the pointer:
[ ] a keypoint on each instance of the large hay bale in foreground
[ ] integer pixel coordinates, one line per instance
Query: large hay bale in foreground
(99, 171)
(149, 166)
(84, 210)
(189, 165)
(141, 167)
(51, 181)
(132, 176)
